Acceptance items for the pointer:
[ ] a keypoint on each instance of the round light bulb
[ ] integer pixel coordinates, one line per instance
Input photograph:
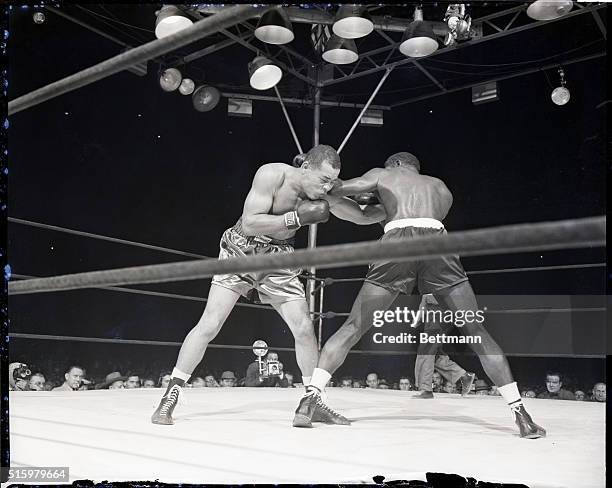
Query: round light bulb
(170, 79)
(187, 86)
(560, 95)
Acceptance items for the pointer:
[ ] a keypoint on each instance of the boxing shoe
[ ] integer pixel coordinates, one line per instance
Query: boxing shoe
(313, 409)
(163, 413)
(424, 395)
(466, 383)
(527, 427)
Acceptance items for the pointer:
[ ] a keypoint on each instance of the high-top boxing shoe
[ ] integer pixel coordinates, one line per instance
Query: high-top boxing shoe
(163, 414)
(313, 409)
(527, 427)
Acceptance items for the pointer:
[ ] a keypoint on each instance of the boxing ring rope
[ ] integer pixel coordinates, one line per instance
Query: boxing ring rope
(136, 55)
(565, 234)
(106, 238)
(368, 352)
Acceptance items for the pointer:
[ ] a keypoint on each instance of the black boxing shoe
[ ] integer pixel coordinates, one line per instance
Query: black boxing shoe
(313, 409)
(527, 427)
(467, 380)
(163, 414)
(323, 413)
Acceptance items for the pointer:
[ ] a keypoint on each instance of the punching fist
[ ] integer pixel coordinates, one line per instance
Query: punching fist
(313, 212)
(308, 212)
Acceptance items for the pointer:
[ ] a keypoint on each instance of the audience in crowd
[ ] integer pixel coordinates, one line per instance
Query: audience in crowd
(404, 384)
(228, 379)
(132, 381)
(37, 382)
(48, 375)
(72, 379)
(372, 380)
(254, 376)
(599, 392)
(164, 379)
(554, 390)
(211, 382)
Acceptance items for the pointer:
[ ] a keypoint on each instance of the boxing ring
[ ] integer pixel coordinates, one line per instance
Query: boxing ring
(243, 435)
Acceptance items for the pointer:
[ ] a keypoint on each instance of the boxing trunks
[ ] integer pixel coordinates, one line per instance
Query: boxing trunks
(277, 286)
(429, 275)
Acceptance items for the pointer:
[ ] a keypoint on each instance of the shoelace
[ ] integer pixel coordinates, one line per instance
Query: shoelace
(327, 409)
(170, 400)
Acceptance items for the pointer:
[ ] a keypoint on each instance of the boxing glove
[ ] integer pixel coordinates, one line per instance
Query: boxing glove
(308, 212)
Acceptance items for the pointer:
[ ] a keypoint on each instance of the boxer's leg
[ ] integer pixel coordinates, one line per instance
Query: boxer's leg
(220, 303)
(295, 314)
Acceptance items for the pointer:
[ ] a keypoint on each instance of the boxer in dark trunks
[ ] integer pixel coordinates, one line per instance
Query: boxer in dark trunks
(281, 200)
(412, 205)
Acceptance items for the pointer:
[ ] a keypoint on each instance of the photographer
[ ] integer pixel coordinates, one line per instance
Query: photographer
(272, 374)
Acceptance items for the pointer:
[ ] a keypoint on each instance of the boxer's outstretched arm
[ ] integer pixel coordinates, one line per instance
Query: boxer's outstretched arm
(256, 219)
(347, 209)
(361, 184)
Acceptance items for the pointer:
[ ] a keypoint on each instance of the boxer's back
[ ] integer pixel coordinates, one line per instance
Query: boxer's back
(408, 194)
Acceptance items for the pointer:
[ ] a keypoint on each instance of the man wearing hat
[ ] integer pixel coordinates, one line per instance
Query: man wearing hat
(113, 381)
(228, 379)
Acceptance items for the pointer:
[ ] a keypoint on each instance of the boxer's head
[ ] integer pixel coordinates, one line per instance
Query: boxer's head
(404, 159)
(320, 168)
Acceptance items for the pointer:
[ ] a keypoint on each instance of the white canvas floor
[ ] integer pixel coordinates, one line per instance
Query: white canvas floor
(244, 435)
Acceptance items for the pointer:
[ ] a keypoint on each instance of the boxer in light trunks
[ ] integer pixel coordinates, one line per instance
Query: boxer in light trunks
(281, 200)
(412, 205)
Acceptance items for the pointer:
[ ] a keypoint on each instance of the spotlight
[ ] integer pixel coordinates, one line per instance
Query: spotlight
(419, 39)
(205, 98)
(274, 27)
(38, 17)
(549, 9)
(263, 74)
(352, 22)
(187, 86)
(170, 79)
(560, 95)
(340, 51)
(170, 19)
(458, 23)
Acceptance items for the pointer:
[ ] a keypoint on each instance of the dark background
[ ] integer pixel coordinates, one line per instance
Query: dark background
(177, 178)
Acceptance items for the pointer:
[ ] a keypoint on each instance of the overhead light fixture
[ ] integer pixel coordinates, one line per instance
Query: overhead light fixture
(560, 95)
(274, 27)
(352, 22)
(549, 9)
(205, 98)
(170, 20)
(187, 86)
(263, 74)
(340, 51)
(170, 79)
(419, 39)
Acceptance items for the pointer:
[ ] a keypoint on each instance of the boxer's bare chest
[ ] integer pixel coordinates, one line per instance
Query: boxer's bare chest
(285, 199)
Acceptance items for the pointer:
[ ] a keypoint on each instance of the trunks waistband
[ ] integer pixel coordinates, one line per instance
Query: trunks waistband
(424, 222)
(237, 227)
